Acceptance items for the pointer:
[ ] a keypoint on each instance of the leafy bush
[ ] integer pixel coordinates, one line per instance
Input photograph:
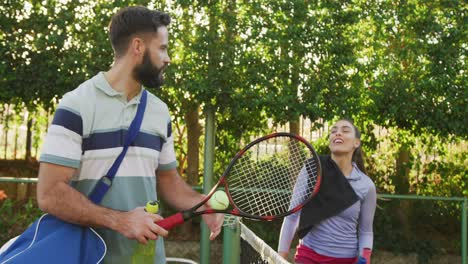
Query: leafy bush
(426, 233)
(15, 217)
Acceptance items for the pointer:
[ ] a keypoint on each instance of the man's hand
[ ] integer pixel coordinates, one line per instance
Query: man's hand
(140, 225)
(213, 221)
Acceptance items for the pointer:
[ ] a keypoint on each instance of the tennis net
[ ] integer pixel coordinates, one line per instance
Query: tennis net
(255, 251)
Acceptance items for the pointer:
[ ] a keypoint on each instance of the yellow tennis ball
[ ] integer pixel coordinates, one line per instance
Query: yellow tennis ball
(152, 207)
(219, 200)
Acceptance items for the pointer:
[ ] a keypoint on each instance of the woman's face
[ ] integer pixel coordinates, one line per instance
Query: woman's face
(343, 138)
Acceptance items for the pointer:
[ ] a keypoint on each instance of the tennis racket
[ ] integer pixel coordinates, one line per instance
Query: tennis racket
(272, 177)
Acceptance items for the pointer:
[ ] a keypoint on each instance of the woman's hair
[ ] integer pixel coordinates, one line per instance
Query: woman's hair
(133, 20)
(358, 154)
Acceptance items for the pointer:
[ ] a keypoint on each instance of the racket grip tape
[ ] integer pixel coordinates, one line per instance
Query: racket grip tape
(171, 221)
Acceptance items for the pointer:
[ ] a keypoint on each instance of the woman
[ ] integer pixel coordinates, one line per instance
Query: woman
(336, 226)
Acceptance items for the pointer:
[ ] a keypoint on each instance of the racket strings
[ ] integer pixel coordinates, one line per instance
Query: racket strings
(261, 205)
(260, 199)
(271, 179)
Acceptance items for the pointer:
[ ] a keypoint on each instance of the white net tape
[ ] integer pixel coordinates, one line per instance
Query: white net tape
(263, 249)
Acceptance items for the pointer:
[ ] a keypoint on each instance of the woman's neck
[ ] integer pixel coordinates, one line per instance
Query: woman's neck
(344, 162)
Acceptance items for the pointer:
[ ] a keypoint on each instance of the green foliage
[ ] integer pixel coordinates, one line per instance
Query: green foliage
(427, 238)
(437, 165)
(418, 81)
(398, 65)
(15, 217)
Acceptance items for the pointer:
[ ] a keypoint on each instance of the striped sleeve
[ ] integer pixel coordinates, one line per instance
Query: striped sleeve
(167, 157)
(62, 144)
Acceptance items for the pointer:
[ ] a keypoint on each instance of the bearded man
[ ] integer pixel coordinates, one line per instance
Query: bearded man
(88, 132)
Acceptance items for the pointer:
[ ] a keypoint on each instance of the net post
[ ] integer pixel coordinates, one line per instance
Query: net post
(207, 180)
(464, 235)
(231, 243)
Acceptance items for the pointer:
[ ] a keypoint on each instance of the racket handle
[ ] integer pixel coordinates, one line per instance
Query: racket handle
(171, 221)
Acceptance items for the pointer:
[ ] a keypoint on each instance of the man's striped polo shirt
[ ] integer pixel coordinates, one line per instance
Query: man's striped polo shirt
(88, 132)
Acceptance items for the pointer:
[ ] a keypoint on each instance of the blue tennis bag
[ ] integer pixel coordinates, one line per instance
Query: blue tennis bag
(51, 240)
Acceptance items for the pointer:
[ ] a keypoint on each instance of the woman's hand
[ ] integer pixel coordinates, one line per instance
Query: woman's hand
(284, 254)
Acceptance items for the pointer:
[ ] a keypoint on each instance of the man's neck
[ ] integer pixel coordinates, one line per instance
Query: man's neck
(344, 163)
(121, 79)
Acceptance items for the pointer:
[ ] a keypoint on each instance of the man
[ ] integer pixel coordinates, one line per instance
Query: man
(87, 134)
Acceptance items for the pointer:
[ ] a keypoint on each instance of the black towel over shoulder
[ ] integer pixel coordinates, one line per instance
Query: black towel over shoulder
(334, 196)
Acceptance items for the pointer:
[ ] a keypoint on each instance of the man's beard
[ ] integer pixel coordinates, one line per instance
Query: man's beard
(148, 74)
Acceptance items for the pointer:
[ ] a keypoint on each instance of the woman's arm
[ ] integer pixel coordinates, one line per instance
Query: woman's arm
(288, 230)
(291, 222)
(366, 220)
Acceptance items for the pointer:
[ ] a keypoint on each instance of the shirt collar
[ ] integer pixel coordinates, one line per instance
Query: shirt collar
(102, 84)
(355, 173)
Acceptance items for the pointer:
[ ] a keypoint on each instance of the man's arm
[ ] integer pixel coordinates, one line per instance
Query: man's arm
(56, 197)
(180, 195)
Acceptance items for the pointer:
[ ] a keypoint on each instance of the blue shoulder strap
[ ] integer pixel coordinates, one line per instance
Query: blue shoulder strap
(105, 182)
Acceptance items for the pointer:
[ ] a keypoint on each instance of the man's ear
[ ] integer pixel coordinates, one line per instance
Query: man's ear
(137, 48)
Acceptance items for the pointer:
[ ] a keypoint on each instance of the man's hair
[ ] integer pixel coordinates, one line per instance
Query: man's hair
(129, 21)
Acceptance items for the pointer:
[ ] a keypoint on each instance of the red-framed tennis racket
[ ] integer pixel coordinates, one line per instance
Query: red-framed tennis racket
(272, 177)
